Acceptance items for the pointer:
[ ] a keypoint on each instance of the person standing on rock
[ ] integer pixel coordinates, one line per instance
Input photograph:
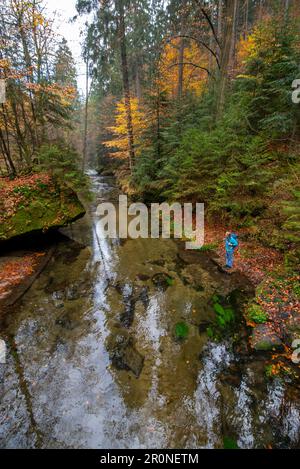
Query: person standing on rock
(231, 243)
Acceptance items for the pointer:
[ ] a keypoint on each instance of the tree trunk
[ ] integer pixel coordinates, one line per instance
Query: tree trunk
(233, 36)
(122, 42)
(286, 9)
(28, 62)
(220, 21)
(158, 123)
(86, 110)
(210, 57)
(138, 83)
(180, 69)
(230, 7)
(246, 25)
(260, 11)
(6, 147)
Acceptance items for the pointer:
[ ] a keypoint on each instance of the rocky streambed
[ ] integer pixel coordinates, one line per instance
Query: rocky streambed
(137, 344)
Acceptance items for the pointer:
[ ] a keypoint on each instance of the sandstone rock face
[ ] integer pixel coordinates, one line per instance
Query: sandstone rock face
(34, 204)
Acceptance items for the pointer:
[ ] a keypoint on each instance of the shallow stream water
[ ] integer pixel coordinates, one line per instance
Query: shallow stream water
(63, 385)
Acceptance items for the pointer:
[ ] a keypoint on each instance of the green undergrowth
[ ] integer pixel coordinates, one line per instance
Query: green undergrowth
(256, 314)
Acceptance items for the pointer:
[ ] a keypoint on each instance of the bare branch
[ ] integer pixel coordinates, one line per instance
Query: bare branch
(194, 65)
(200, 43)
(205, 14)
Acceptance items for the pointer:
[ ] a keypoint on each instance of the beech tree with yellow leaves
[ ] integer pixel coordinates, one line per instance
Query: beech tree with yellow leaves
(119, 142)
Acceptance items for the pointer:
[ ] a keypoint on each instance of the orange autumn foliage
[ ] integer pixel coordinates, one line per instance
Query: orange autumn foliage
(13, 272)
(194, 78)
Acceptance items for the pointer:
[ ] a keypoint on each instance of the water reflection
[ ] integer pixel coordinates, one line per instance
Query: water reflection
(59, 388)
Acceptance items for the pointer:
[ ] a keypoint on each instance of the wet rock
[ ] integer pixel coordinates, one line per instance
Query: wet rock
(193, 276)
(292, 325)
(133, 360)
(143, 296)
(264, 338)
(162, 280)
(119, 287)
(242, 349)
(127, 317)
(118, 339)
(107, 172)
(189, 256)
(225, 270)
(233, 380)
(131, 298)
(159, 262)
(139, 310)
(143, 277)
(203, 326)
(72, 293)
(123, 353)
(66, 322)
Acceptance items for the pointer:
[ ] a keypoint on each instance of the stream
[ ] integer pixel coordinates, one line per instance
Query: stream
(93, 361)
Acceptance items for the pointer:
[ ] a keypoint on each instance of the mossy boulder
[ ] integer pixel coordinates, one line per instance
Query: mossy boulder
(264, 338)
(162, 280)
(36, 203)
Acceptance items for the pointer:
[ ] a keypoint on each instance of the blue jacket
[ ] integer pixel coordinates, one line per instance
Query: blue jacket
(231, 242)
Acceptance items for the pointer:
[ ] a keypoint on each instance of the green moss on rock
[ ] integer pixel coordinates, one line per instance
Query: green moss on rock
(256, 314)
(42, 209)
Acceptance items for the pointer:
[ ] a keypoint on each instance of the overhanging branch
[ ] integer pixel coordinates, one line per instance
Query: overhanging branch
(206, 16)
(194, 65)
(200, 43)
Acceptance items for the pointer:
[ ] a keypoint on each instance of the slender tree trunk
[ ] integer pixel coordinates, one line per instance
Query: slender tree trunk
(180, 68)
(230, 7)
(233, 36)
(158, 123)
(122, 42)
(86, 111)
(3, 151)
(210, 57)
(138, 83)
(260, 11)
(246, 25)
(27, 60)
(6, 147)
(220, 21)
(20, 137)
(286, 9)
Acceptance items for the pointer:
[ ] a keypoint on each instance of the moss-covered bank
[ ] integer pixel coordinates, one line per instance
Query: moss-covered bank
(36, 203)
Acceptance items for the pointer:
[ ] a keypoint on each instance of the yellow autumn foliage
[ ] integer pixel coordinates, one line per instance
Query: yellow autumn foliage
(139, 123)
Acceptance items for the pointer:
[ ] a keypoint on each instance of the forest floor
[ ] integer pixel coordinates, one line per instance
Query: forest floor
(251, 258)
(274, 313)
